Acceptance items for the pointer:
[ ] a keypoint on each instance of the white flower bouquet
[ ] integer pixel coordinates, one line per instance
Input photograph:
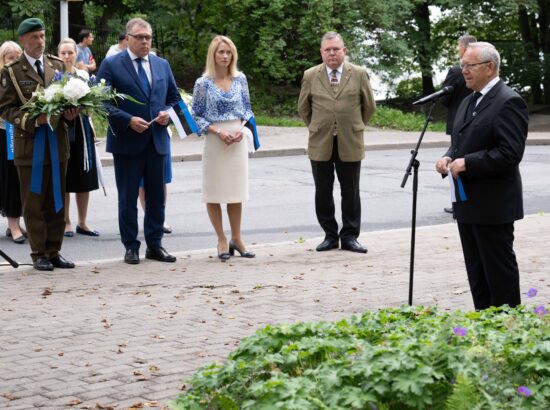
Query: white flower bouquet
(71, 91)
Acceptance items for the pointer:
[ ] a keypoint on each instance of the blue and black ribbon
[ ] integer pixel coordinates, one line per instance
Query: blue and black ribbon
(460, 193)
(9, 140)
(43, 133)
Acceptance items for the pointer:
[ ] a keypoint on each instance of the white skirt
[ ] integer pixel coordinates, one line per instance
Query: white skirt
(224, 167)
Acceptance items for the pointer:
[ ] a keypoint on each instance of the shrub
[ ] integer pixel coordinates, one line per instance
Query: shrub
(405, 358)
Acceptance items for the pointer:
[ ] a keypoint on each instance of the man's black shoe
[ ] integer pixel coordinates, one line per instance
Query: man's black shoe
(354, 246)
(42, 263)
(448, 210)
(159, 254)
(60, 262)
(327, 245)
(131, 256)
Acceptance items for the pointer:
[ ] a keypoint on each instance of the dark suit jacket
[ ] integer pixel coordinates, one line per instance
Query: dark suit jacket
(455, 79)
(119, 72)
(18, 81)
(492, 143)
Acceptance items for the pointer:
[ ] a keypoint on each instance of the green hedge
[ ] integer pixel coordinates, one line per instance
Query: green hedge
(406, 358)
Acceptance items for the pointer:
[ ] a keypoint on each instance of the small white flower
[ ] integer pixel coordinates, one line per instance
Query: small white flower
(84, 75)
(75, 89)
(53, 91)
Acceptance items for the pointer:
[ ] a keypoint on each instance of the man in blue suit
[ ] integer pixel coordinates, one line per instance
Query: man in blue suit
(138, 137)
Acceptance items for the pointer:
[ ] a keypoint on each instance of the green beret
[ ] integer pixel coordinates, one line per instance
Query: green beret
(30, 25)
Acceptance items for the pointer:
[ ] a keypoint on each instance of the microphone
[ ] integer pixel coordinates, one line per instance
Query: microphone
(444, 91)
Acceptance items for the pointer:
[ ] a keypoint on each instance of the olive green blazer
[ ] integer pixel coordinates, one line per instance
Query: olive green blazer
(349, 108)
(18, 80)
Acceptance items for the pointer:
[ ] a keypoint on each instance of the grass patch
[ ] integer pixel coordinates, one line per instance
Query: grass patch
(391, 118)
(384, 117)
(273, 121)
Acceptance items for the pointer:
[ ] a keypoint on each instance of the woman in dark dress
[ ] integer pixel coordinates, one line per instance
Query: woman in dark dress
(10, 198)
(82, 166)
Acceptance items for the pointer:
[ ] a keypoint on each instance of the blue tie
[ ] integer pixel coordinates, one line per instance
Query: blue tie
(143, 77)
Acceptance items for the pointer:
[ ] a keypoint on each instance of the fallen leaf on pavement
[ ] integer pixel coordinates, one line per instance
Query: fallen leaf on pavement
(151, 404)
(136, 406)
(153, 368)
(75, 402)
(105, 406)
(46, 292)
(10, 396)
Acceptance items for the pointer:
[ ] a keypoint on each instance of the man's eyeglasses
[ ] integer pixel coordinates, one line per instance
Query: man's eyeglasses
(141, 37)
(469, 66)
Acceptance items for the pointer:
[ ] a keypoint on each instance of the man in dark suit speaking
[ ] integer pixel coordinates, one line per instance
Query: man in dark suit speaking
(487, 145)
(138, 138)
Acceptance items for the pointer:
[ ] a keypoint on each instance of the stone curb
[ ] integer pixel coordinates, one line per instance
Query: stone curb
(293, 151)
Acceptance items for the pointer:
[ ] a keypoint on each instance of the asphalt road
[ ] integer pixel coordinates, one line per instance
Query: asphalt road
(281, 204)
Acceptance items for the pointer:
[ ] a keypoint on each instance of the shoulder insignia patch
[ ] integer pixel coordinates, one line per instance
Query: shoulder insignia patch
(54, 57)
(4, 82)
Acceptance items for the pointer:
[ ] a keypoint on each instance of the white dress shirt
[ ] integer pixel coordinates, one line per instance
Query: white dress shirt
(144, 63)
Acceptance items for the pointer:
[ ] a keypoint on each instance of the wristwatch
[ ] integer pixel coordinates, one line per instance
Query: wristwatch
(219, 132)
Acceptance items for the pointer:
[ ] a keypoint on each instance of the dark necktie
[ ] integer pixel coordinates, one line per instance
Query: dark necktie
(143, 77)
(472, 105)
(39, 70)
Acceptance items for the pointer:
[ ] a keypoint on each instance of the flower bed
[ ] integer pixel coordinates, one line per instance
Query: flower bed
(406, 358)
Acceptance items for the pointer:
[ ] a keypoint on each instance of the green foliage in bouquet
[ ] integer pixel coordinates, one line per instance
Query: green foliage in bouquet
(71, 91)
(405, 358)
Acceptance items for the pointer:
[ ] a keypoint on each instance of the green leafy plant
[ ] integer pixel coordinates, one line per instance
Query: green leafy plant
(391, 118)
(398, 358)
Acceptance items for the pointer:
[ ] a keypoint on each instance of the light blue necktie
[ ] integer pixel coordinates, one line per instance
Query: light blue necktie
(143, 77)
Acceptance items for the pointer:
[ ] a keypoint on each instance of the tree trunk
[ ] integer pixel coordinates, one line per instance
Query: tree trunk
(544, 27)
(531, 48)
(421, 15)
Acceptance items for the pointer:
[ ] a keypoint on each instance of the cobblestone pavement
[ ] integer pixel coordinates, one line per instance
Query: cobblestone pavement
(107, 333)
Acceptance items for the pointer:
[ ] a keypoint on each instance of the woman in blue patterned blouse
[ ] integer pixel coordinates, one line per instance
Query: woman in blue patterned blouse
(221, 106)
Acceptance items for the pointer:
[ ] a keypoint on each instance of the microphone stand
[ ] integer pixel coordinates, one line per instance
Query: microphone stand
(414, 164)
(8, 259)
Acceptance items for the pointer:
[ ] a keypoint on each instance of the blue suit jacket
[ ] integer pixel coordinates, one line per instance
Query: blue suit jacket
(119, 72)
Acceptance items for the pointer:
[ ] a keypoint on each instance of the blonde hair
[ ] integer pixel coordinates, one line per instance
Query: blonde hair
(210, 70)
(5, 48)
(67, 40)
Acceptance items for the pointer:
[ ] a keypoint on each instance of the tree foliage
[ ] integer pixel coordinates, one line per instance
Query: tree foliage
(278, 39)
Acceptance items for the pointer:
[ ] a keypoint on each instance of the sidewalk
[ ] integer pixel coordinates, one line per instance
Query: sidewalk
(284, 141)
(107, 333)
